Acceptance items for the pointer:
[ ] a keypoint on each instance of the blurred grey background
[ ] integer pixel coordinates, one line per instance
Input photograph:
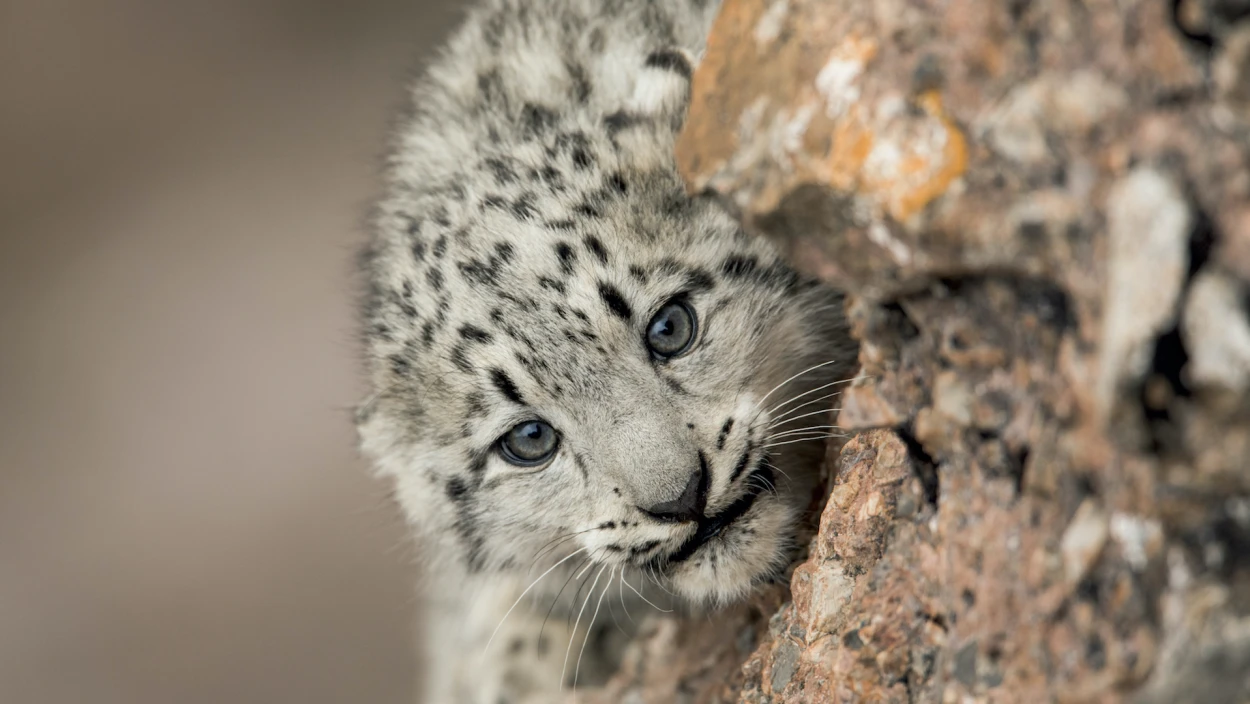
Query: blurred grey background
(182, 514)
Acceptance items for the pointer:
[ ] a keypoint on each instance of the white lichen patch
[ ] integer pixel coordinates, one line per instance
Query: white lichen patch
(837, 81)
(1137, 537)
(771, 23)
(1149, 222)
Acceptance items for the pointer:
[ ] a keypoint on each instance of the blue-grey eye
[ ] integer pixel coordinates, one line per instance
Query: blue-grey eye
(529, 444)
(672, 330)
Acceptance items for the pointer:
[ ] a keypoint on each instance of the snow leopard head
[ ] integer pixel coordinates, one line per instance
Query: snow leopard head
(570, 357)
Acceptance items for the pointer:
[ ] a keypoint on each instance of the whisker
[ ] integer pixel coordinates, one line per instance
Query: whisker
(519, 598)
(620, 587)
(782, 421)
(578, 668)
(814, 437)
(778, 470)
(792, 378)
(658, 583)
(805, 394)
(569, 651)
(798, 431)
(557, 541)
(803, 405)
(640, 596)
(555, 601)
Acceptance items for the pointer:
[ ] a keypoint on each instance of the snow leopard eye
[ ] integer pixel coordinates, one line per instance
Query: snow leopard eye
(671, 330)
(529, 444)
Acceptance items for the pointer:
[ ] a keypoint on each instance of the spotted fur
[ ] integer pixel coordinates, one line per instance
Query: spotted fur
(532, 225)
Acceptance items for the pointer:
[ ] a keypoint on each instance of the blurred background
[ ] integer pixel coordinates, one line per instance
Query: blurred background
(183, 517)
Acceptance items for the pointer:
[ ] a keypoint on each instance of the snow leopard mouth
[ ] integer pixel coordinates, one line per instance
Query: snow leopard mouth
(713, 526)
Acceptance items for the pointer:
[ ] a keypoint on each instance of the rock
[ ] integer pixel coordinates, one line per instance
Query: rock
(1082, 542)
(1041, 215)
(1217, 333)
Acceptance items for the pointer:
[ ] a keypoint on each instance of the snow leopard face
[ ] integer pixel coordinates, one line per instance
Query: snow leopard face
(570, 357)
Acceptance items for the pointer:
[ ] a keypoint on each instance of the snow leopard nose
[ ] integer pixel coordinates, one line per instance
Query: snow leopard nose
(689, 505)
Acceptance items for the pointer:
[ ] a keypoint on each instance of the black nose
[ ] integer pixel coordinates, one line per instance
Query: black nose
(689, 506)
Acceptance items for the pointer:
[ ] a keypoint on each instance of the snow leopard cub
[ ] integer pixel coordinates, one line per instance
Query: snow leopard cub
(579, 372)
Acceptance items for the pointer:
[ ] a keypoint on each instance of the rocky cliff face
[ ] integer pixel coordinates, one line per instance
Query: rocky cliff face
(1042, 212)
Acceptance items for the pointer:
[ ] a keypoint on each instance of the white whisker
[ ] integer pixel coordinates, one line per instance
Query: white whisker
(783, 421)
(779, 470)
(620, 587)
(798, 431)
(801, 406)
(656, 579)
(569, 651)
(527, 591)
(578, 668)
(792, 378)
(640, 596)
(805, 394)
(814, 437)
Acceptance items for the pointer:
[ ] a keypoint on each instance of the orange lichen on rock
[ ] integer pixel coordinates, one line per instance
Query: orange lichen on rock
(902, 165)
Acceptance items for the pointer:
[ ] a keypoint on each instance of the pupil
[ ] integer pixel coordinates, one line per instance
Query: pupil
(533, 431)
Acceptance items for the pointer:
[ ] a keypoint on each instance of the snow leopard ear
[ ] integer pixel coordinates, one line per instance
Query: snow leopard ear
(663, 88)
(643, 130)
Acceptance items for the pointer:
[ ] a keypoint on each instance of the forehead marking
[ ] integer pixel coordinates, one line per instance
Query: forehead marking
(506, 386)
(615, 301)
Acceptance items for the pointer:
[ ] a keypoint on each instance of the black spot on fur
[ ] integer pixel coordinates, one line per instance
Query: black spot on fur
(675, 386)
(550, 283)
(506, 387)
(478, 272)
(738, 266)
(639, 274)
(596, 248)
(560, 224)
(587, 209)
(567, 257)
(440, 246)
(427, 334)
(670, 60)
(615, 301)
(617, 183)
(503, 251)
(699, 280)
(413, 226)
(457, 490)
(551, 176)
(494, 200)
(523, 206)
(724, 433)
(579, 80)
(474, 334)
(620, 120)
(418, 251)
(537, 118)
(504, 172)
(582, 159)
(489, 85)
(741, 466)
(434, 278)
(474, 405)
(460, 359)
(441, 217)
(399, 365)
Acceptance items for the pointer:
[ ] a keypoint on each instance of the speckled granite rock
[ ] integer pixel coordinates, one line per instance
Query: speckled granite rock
(1042, 214)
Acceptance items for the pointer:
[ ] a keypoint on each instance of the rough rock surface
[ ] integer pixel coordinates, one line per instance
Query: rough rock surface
(1042, 214)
